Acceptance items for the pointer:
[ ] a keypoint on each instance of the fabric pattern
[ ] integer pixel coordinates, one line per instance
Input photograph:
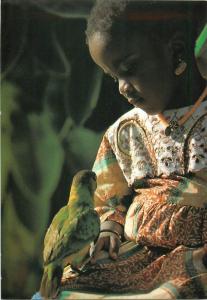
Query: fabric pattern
(156, 187)
(142, 269)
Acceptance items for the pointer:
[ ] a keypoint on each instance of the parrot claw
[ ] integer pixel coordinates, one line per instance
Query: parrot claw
(83, 268)
(85, 264)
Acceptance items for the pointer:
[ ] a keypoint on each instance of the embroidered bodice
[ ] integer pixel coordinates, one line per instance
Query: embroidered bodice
(143, 150)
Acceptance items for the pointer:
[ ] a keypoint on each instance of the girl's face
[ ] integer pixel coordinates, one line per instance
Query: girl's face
(142, 67)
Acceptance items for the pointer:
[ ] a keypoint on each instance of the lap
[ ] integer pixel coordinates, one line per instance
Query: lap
(177, 273)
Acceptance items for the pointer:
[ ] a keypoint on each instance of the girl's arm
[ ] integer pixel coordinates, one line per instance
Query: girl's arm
(110, 199)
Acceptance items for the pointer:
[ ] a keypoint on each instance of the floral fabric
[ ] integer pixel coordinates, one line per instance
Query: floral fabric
(156, 187)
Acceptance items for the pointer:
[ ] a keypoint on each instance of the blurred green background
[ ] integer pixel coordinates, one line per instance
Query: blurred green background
(56, 104)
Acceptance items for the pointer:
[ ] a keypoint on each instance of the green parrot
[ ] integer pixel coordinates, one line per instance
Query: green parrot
(70, 234)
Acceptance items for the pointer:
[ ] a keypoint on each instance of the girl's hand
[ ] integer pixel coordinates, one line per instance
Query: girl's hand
(107, 241)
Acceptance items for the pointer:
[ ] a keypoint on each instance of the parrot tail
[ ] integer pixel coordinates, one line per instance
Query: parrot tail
(51, 280)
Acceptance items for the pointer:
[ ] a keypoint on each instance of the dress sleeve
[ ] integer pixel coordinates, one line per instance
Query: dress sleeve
(112, 188)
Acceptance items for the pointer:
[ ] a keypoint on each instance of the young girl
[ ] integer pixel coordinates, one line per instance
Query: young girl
(152, 164)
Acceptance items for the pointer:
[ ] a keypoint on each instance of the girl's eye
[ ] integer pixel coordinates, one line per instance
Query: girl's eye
(129, 69)
(129, 66)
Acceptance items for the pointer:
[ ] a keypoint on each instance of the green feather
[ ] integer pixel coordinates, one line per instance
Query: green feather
(73, 228)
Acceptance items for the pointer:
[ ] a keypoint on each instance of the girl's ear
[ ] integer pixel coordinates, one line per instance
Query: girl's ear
(177, 48)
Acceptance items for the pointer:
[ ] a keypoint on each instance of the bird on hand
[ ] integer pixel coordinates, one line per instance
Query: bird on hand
(73, 229)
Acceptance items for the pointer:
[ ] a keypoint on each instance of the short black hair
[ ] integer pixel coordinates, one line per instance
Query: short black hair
(103, 15)
(156, 18)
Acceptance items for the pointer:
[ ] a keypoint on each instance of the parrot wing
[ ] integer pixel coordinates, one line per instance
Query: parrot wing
(53, 234)
(65, 236)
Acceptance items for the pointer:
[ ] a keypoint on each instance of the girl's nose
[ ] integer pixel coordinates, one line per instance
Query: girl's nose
(125, 88)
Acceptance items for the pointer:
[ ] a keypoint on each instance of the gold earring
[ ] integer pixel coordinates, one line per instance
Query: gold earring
(182, 65)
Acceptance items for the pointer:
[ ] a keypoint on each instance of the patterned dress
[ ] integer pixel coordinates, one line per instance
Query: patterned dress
(156, 187)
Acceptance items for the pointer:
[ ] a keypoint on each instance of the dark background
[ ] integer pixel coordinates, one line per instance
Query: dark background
(56, 104)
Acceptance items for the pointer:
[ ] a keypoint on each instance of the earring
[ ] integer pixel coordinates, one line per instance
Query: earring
(182, 65)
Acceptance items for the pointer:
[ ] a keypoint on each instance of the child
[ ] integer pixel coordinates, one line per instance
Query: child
(152, 164)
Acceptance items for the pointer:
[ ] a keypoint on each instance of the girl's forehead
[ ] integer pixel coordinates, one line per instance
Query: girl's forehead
(103, 44)
(98, 44)
(109, 53)
(108, 43)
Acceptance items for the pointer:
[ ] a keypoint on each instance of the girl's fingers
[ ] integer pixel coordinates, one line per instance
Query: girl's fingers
(107, 241)
(114, 246)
